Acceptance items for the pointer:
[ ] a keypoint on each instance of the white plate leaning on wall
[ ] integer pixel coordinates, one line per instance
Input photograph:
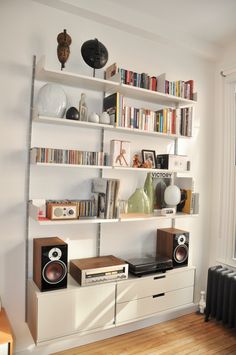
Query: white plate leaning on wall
(51, 101)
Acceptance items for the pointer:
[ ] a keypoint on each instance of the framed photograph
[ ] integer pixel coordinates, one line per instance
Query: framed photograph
(149, 158)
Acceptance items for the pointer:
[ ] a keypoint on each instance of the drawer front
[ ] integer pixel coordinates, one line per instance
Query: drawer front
(148, 306)
(87, 308)
(148, 286)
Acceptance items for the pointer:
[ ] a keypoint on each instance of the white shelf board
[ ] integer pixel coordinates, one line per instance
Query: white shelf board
(73, 79)
(91, 83)
(129, 168)
(153, 96)
(77, 221)
(124, 168)
(72, 165)
(82, 124)
(66, 122)
(133, 218)
(34, 211)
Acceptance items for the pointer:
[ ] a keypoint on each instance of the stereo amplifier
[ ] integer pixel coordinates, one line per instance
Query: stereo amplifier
(96, 270)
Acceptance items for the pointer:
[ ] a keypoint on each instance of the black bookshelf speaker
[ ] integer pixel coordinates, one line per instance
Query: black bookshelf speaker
(50, 263)
(173, 243)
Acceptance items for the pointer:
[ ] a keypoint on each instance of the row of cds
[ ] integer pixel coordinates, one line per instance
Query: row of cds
(65, 156)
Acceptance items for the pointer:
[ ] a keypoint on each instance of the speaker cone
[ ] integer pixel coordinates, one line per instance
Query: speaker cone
(54, 271)
(180, 253)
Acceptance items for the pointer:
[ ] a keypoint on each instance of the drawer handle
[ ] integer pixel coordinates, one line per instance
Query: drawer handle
(158, 295)
(159, 277)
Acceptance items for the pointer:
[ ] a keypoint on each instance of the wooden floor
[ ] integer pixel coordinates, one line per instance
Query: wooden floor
(185, 335)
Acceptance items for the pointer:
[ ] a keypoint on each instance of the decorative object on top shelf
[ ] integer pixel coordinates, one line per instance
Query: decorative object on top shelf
(136, 161)
(93, 117)
(149, 159)
(120, 153)
(172, 195)
(149, 189)
(94, 54)
(72, 114)
(83, 109)
(104, 118)
(63, 48)
(139, 202)
(51, 101)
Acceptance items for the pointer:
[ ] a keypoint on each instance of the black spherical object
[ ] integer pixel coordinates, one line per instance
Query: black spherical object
(94, 53)
(72, 113)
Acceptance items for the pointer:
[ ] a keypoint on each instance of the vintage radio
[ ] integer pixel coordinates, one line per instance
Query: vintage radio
(173, 162)
(96, 270)
(61, 210)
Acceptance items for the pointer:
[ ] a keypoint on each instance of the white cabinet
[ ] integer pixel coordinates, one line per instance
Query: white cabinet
(146, 296)
(64, 312)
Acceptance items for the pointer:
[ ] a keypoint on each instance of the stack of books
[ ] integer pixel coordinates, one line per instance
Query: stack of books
(105, 192)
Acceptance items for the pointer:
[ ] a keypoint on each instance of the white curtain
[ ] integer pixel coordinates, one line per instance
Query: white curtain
(227, 188)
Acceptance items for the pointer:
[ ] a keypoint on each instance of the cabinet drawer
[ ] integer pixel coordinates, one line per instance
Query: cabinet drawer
(148, 306)
(64, 313)
(148, 286)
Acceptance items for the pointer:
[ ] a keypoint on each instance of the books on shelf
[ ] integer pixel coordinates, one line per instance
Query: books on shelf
(65, 156)
(105, 192)
(179, 88)
(166, 120)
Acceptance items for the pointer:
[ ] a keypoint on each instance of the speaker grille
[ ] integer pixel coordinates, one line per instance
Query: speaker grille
(54, 272)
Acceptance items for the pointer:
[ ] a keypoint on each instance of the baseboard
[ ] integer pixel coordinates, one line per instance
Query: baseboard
(79, 339)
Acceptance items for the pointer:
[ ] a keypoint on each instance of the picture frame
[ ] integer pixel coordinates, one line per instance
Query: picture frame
(149, 158)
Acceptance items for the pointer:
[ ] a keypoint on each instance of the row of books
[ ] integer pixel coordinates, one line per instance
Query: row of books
(180, 88)
(65, 156)
(167, 120)
(105, 192)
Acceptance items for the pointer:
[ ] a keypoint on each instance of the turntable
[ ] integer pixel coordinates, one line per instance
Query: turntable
(147, 265)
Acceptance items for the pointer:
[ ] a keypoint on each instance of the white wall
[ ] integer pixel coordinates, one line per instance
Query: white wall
(30, 28)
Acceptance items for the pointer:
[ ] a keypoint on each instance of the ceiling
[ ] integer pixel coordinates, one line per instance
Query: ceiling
(210, 20)
(202, 26)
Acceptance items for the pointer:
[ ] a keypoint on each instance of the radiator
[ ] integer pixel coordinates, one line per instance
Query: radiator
(221, 295)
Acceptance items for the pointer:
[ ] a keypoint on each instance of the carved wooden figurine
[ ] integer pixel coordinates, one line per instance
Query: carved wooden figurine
(63, 48)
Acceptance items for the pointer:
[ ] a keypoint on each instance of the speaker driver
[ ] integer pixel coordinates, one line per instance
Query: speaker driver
(55, 254)
(180, 253)
(58, 212)
(54, 272)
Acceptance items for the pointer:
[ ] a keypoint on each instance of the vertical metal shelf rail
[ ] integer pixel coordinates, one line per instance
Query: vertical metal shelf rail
(27, 183)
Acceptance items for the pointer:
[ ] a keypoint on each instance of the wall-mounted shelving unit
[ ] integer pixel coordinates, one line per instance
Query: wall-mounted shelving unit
(43, 307)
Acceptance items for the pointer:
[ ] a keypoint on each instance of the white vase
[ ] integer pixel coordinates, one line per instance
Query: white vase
(93, 117)
(51, 101)
(104, 118)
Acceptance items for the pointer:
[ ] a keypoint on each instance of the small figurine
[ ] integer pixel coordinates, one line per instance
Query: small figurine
(63, 48)
(136, 161)
(121, 158)
(83, 110)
